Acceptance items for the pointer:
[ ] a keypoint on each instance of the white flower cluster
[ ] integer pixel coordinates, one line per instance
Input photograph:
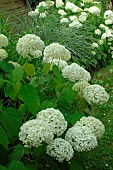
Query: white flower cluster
(30, 44)
(95, 94)
(72, 7)
(108, 15)
(34, 132)
(41, 9)
(59, 3)
(74, 72)
(56, 51)
(94, 124)
(3, 41)
(58, 62)
(94, 10)
(79, 86)
(60, 149)
(83, 16)
(55, 120)
(81, 138)
(3, 54)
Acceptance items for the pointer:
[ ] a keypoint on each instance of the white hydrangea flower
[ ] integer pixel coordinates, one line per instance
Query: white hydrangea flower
(42, 15)
(94, 124)
(98, 32)
(108, 14)
(64, 20)
(75, 24)
(34, 132)
(36, 53)
(74, 72)
(55, 119)
(60, 149)
(79, 86)
(14, 63)
(58, 62)
(81, 138)
(104, 36)
(72, 7)
(59, 3)
(100, 42)
(94, 10)
(73, 18)
(3, 41)
(56, 51)
(108, 22)
(94, 45)
(3, 54)
(28, 44)
(83, 17)
(95, 94)
(62, 12)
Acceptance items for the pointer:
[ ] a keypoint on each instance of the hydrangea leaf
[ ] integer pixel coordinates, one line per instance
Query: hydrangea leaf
(29, 69)
(29, 96)
(2, 167)
(7, 67)
(17, 153)
(16, 165)
(3, 138)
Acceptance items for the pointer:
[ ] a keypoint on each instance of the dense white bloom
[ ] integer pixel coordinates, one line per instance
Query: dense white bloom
(74, 72)
(34, 132)
(36, 53)
(100, 42)
(72, 7)
(55, 120)
(108, 33)
(94, 10)
(94, 124)
(95, 94)
(94, 45)
(75, 24)
(73, 18)
(56, 51)
(45, 4)
(62, 12)
(14, 63)
(79, 86)
(83, 17)
(81, 138)
(108, 22)
(108, 14)
(98, 32)
(64, 20)
(59, 3)
(58, 62)
(60, 149)
(28, 44)
(3, 54)
(104, 36)
(3, 41)
(42, 15)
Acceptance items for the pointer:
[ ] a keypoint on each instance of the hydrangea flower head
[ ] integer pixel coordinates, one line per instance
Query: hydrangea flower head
(94, 10)
(60, 149)
(81, 138)
(3, 41)
(3, 54)
(94, 124)
(28, 44)
(95, 94)
(55, 120)
(56, 51)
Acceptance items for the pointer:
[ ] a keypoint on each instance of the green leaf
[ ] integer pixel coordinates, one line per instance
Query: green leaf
(47, 104)
(17, 153)
(31, 167)
(12, 89)
(11, 121)
(29, 69)
(3, 138)
(46, 68)
(29, 96)
(57, 72)
(16, 165)
(7, 67)
(2, 167)
(16, 75)
(3, 155)
(76, 117)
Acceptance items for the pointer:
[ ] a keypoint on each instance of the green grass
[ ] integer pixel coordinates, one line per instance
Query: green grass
(101, 158)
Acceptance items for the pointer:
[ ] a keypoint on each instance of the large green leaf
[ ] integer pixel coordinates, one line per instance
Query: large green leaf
(16, 75)
(7, 67)
(29, 69)
(29, 96)
(2, 167)
(17, 153)
(11, 121)
(3, 137)
(46, 68)
(16, 165)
